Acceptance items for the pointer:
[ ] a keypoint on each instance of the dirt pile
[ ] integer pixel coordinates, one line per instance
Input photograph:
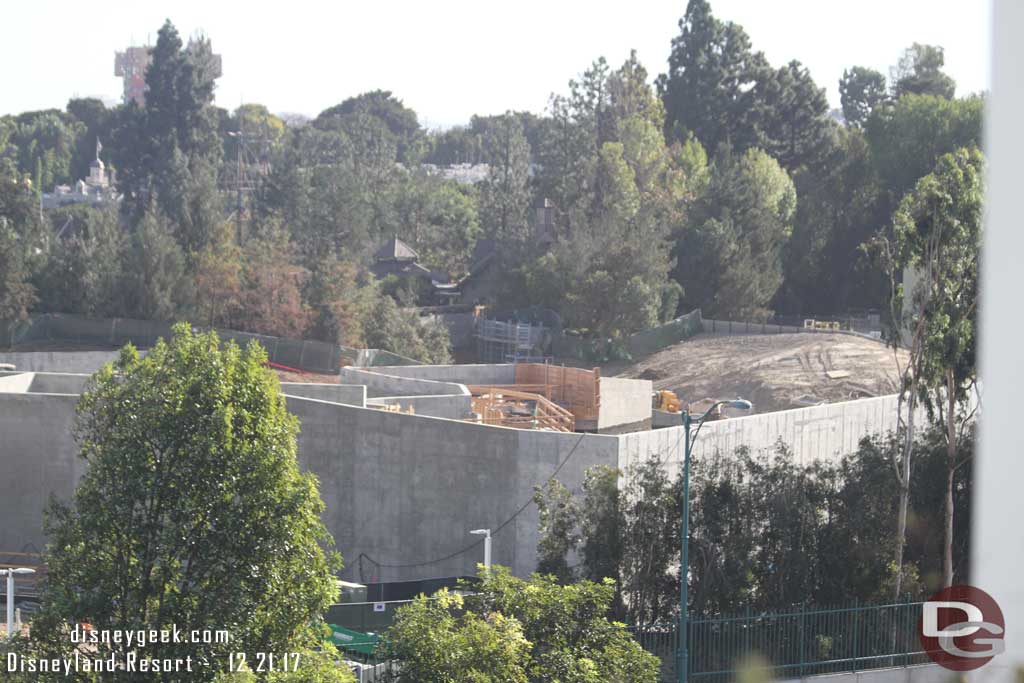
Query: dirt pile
(775, 372)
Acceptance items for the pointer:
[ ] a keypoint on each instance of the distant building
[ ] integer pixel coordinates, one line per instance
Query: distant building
(466, 174)
(131, 66)
(98, 188)
(399, 259)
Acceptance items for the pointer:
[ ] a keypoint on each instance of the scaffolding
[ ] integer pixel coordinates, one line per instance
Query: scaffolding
(509, 342)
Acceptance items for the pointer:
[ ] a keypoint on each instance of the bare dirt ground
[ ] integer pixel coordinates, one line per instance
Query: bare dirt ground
(307, 377)
(775, 372)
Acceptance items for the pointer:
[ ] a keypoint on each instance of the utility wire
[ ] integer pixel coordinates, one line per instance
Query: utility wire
(477, 543)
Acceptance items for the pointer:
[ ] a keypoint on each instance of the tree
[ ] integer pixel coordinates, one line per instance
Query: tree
(919, 72)
(505, 194)
(937, 235)
(557, 514)
(272, 284)
(168, 152)
(569, 636)
(730, 247)
(21, 237)
(795, 129)
(218, 277)
(400, 121)
(83, 273)
(861, 90)
(17, 295)
(840, 207)
(399, 331)
(710, 90)
(157, 286)
(908, 137)
(192, 509)
(436, 642)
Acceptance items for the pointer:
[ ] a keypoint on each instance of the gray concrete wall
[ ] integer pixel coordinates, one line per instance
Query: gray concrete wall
(923, 673)
(400, 488)
(38, 457)
(349, 394)
(504, 373)
(384, 384)
(406, 488)
(58, 383)
(452, 407)
(86, 362)
(825, 432)
(15, 382)
(624, 402)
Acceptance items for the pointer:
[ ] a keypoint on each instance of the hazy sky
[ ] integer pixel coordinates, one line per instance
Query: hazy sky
(449, 59)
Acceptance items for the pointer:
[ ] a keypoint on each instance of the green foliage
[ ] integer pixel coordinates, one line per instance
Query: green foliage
(571, 637)
(83, 274)
(907, 138)
(768, 533)
(838, 209)
(730, 248)
(861, 90)
(168, 152)
(505, 194)
(21, 236)
(192, 509)
(401, 123)
(919, 72)
(398, 330)
(557, 514)
(156, 284)
(436, 641)
(710, 89)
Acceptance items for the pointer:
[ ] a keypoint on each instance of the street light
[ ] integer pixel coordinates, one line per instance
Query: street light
(10, 595)
(682, 660)
(486, 533)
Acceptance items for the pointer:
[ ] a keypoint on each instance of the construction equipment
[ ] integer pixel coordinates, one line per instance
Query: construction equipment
(667, 401)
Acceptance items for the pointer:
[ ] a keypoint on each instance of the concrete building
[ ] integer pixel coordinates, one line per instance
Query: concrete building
(402, 490)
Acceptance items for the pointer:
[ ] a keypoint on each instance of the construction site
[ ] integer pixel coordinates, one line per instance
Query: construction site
(411, 458)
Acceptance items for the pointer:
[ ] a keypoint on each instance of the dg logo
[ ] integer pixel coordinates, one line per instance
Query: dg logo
(961, 628)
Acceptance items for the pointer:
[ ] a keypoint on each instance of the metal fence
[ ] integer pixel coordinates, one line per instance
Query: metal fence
(59, 329)
(795, 643)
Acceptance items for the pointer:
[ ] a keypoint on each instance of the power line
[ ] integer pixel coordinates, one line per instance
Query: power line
(475, 544)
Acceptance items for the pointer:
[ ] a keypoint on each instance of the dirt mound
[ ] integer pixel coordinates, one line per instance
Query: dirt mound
(775, 372)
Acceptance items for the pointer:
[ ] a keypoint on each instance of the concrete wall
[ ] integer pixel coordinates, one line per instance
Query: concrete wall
(400, 488)
(403, 489)
(58, 383)
(825, 432)
(504, 373)
(349, 394)
(924, 673)
(15, 383)
(624, 402)
(86, 362)
(38, 457)
(406, 488)
(452, 407)
(384, 384)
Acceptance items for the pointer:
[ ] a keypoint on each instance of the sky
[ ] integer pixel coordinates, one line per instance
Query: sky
(450, 59)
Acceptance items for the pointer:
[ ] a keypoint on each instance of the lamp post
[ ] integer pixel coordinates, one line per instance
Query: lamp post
(682, 659)
(486, 533)
(10, 594)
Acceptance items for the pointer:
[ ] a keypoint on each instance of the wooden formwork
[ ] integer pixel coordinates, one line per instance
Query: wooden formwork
(576, 389)
(506, 407)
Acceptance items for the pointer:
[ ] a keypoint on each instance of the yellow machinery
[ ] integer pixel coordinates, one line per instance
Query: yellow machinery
(667, 401)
